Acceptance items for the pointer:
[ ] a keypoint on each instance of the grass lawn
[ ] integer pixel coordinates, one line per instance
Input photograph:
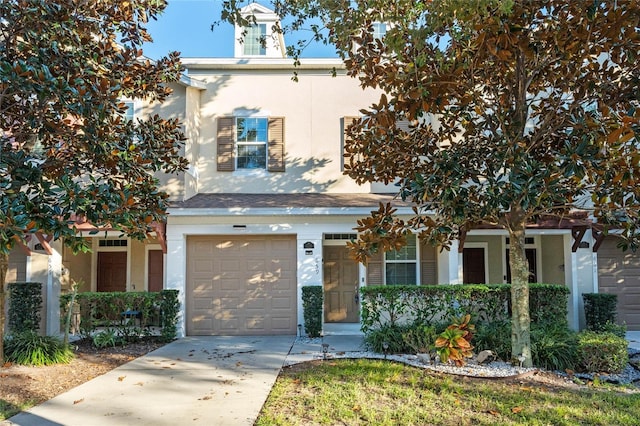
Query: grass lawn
(378, 392)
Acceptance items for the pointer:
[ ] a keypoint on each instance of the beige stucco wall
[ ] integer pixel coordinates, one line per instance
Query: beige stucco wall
(552, 259)
(79, 269)
(137, 266)
(175, 106)
(312, 108)
(17, 266)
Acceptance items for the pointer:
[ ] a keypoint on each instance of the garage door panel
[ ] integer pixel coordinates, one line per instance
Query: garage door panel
(619, 273)
(249, 281)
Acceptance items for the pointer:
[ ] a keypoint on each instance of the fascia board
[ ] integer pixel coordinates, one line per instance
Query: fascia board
(293, 211)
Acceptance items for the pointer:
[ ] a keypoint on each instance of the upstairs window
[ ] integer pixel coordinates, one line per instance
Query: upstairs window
(254, 40)
(251, 143)
(379, 30)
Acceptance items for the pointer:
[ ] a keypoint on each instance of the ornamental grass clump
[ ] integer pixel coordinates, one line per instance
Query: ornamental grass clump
(29, 348)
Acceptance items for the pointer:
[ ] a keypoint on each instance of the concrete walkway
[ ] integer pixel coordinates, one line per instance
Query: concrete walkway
(213, 380)
(195, 380)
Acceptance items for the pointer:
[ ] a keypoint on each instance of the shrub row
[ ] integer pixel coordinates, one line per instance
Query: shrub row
(131, 313)
(408, 319)
(397, 305)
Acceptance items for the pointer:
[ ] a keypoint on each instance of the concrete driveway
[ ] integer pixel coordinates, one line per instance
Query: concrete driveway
(215, 380)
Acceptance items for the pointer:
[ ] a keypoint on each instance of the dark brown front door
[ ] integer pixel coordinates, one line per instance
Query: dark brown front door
(473, 266)
(112, 271)
(155, 272)
(340, 285)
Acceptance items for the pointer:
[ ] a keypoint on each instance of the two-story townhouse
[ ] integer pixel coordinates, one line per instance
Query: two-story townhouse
(265, 209)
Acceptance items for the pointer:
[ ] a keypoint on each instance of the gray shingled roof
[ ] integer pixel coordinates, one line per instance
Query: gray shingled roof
(228, 201)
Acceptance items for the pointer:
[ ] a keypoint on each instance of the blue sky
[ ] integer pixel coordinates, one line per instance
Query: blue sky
(185, 27)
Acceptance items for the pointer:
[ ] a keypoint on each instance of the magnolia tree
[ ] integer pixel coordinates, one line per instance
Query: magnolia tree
(67, 149)
(493, 112)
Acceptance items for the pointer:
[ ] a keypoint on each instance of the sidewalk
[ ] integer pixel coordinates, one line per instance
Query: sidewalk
(633, 337)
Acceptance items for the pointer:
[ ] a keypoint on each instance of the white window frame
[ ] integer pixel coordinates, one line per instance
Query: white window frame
(238, 143)
(415, 261)
(252, 41)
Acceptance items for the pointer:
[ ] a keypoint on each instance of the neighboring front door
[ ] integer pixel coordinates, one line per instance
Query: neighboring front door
(155, 273)
(341, 303)
(473, 271)
(112, 271)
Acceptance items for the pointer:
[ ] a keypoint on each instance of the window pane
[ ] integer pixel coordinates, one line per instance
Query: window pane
(252, 156)
(407, 252)
(379, 30)
(251, 129)
(129, 112)
(253, 40)
(401, 273)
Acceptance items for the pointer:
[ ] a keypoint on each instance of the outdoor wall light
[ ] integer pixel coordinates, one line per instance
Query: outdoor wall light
(325, 350)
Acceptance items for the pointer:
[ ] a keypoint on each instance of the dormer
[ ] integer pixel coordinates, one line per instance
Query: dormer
(248, 40)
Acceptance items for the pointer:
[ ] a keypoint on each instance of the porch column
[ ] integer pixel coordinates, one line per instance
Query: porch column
(52, 304)
(449, 271)
(175, 278)
(309, 248)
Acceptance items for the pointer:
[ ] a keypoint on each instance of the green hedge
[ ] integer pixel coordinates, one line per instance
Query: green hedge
(599, 310)
(25, 303)
(312, 304)
(131, 312)
(398, 305)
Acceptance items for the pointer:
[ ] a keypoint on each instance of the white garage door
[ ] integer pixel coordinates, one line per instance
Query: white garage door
(241, 285)
(619, 273)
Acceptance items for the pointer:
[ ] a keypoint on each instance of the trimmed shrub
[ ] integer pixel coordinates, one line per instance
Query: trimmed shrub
(169, 309)
(312, 304)
(398, 305)
(599, 309)
(619, 330)
(25, 303)
(496, 337)
(29, 348)
(553, 348)
(602, 352)
(420, 338)
(131, 313)
(391, 336)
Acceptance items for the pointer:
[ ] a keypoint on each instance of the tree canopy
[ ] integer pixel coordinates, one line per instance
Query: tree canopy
(67, 149)
(493, 112)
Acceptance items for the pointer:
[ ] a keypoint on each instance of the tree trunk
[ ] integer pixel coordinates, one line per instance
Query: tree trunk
(520, 318)
(4, 267)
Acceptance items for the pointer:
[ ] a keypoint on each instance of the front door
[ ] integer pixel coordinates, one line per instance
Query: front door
(155, 272)
(473, 271)
(112, 271)
(341, 303)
